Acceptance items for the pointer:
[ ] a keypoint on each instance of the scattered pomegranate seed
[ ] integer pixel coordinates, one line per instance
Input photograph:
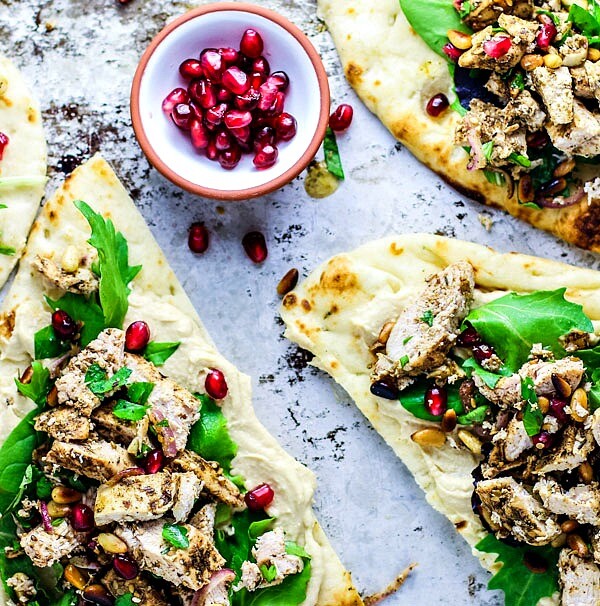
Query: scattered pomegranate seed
(265, 136)
(230, 55)
(437, 105)
(212, 64)
(268, 94)
(261, 66)
(251, 44)
(182, 115)
(191, 69)
(82, 517)
(248, 101)
(255, 246)
(436, 401)
(137, 336)
(482, 352)
(451, 52)
(64, 326)
(557, 410)
(235, 80)
(546, 33)
(176, 96)
(230, 158)
(224, 95)
(469, 337)
(285, 126)
(215, 384)
(260, 497)
(199, 135)
(4, 141)
(341, 118)
(277, 106)
(279, 79)
(543, 440)
(266, 157)
(256, 80)
(125, 567)
(385, 389)
(497, 47)
(154, 461)
(198, 238)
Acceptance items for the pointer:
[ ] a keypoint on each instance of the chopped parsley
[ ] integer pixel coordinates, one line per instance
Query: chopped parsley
(159, 353)
(98, 382)
(404, 361)
(428, 317)
(176, 535)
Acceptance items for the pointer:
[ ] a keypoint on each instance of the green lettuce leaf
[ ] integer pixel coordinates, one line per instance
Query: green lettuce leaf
(83, 310)
(471, 367)
(47, 345)
(332, 155)
(532, 415)
(38, 387)
(129, 411)
(476, 415)
(413, 399)
(513, 323)
(125, 600)
(159, 353)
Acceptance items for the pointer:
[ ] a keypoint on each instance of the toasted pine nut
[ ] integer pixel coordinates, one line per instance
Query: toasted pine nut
(593, 54)
(74, 576)
(385, 332)
(579, 405)
(288, 282)
(562, 387)
(449, 421)
(530, 62)
(430, 436)
(52, 397)
(70, 260)
(569, 526)
(459, 39)
(562, 170)
(56, 510)
(27, 375)
(111, 543)
(473, 443)
(64, 495)
(577, 544)
(552, 61)
(586, 473)
(559, 541)
(544, 404)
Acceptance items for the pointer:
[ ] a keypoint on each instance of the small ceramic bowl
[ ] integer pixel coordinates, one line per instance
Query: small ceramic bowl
(220, 25)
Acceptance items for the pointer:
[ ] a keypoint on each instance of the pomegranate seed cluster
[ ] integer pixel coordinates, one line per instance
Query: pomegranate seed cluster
(233, 104)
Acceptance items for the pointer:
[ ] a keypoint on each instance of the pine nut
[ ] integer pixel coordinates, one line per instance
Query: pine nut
(74, 576)
(459, 39)
(430, 436)
(579, 405)
(473, 443)
(569, 526)
(449, 421)
(111, 543)
(56, 510)
(27, 375)
(64, 495)
(552, 61)
(70, 260)
(385, 332)
(52, 397)
(561, 386)
(593, 54)
(530, 62)
(562, 170)
(559, 541)
(288, 282)
(586, 473)
(577, 544)
(544, 404)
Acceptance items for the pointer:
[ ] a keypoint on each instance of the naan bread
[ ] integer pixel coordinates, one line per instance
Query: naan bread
(24, 156)
(395, 73)
(338, 311)
(158, 298)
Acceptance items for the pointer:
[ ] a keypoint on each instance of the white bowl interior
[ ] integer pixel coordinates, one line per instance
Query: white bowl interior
(213, 30)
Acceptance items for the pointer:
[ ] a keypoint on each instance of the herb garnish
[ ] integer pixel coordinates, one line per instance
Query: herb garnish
(332, 155)
(427, 317)
(135, 409)
(159, 353)
(38, 387)
(98, 382)
(532, 415)
(176, 535)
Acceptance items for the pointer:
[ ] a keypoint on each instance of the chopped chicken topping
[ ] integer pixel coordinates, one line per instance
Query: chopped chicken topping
(45, 548)
(580, 136)
(23, 587)
(270, 551)
(581, 503)
(80, 282)
(509, 445)
(142, 593)
(579, 578)
(574, 449)
(64, 423)
(111, 427)
(483, 13)
(555, 88)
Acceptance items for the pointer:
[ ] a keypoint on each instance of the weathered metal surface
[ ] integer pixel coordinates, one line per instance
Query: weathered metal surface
(80, 58)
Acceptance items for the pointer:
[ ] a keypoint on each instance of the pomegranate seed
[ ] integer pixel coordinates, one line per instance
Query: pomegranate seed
(191, 69)
(230, 158)
(546, 34)
(385, 389)
(63, 324)
(215, 384)
(482, 352)
(125, 567)
(469, 337)
(197, 110)
(241, 134)
(256, 80)
(251, 44)
(237, 119)
(176, 96)
(216, 114)
(538, 139)
(97, 594)
(203, 93)
(451, 52)
(137, 336)
(497, 47)
(198, 237)
(285, 126)
(278, 104)
(279, 79)
(235, 80)
(182, 115)
(198, 135)
(266, 157)
(223, 140)
(154, 462)
(212, 64)
(268, 94)
(230, 55)
(437, 105)
(4, 141)
(341, 118)
(261, 66)
(211, 150)
(260, 497)
(557, 410)
(436, 401)
(224, 95)
(82, 517)
(265, 136)
(543, 440)
(255, 246)
(248, 101)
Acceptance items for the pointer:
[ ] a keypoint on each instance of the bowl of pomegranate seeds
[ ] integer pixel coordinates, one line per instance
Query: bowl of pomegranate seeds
(230, 101)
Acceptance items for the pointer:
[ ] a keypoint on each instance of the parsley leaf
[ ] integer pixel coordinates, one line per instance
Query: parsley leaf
(9, 251)
(47, 345)
(88, 312)
(488, 149)
(294, 549)
(594, 393)
(176, 535)
(113, 265)
(269, 574)
(533, 417)
(427, 317)
(477, 415)
(125, 600)
(38, 388)
(332, 155)
(139, 392)
(130, 411)
(159, 353)
(520, 159)
(25, 482)
(99, 383)
(404, 360)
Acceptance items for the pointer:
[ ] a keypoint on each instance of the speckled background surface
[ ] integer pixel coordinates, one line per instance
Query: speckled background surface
(80, 58)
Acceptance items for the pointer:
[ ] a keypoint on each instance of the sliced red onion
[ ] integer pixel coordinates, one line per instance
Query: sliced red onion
(46, 519)
(477, 154)
(166, 435)
(560, 202)
(125, 473)
(225, 575)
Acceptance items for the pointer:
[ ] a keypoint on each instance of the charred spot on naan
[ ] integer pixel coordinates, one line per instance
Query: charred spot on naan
(587, 225)
(337, 279)
(354, 73)
(7, 324)
(344, 596)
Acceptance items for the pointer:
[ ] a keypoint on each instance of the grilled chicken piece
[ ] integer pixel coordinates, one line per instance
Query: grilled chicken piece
(64, 423)
(215, 483)
(46, 548)
(581, 503)
(270, 551)
(509, 444)
(594, 424)
(173, 409)
(595, 543)
(142, 593)
(579, 137)
(579, 579)
(147, 497)
(80, 282)
(516, 512)
(94, 459)
(191, 567)
(107, 351)
(573, 50)
(426, 330)
(575, 446)
(555, 88)
(112, 428)
(486, 12)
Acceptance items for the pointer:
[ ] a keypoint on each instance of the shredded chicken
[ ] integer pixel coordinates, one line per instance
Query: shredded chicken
(579, 578)
(80, 282)
(581, 503)
(46, 548)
